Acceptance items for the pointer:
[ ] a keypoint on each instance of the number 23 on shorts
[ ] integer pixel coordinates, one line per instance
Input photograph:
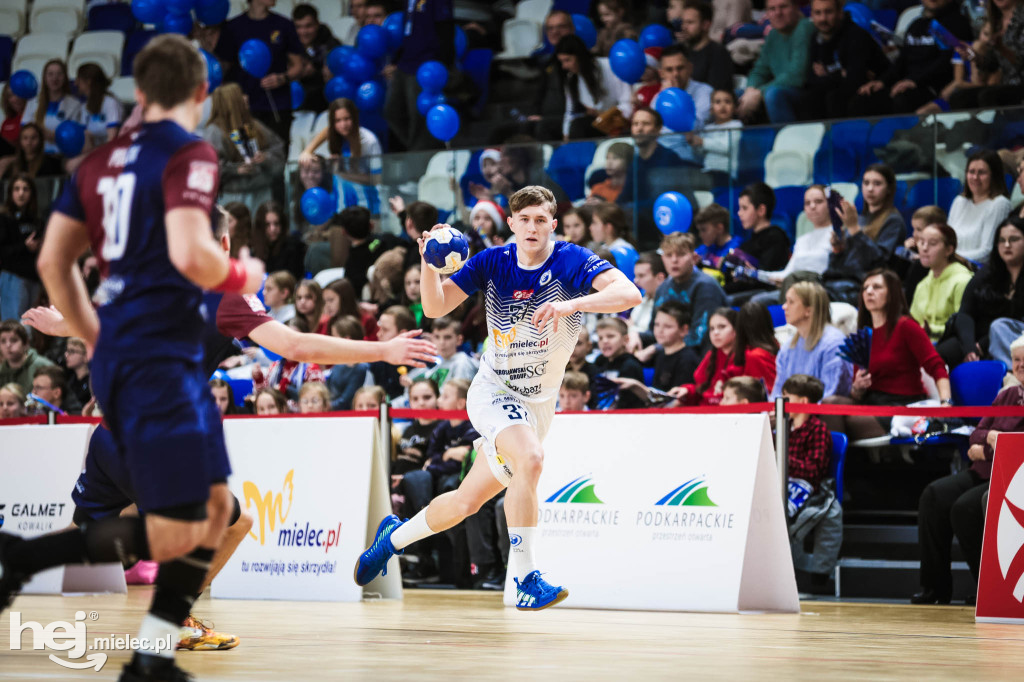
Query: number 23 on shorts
(513, 412)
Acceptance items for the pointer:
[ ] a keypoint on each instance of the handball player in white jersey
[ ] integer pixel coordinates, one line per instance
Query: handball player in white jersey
(536, 290)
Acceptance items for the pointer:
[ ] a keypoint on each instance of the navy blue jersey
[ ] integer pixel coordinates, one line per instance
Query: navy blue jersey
(122, 191)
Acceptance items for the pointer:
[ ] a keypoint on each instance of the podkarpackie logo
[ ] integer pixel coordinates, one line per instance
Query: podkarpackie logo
(693, 493)
(578, 491)
(271, 510)
(1010, 534)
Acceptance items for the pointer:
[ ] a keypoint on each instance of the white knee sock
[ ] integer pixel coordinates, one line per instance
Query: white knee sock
(412, 530)
(156, 633)
(520, 555)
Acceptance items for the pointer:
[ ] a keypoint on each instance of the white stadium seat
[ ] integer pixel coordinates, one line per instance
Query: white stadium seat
(32, 64)
(520, 38)
(534, 10)
(236, 7)
(437, 190)
(907, 17)
(123, 88)
(101, 47)
(328, 9)
(300, 133)
(48, 45)
(56, 20)
(13, 21)
(787, 167)
(341, 27)
(804, 137)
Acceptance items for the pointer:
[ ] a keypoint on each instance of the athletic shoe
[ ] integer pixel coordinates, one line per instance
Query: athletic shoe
(163, 673)
(374, 560)
(534, 593)
(196, 636)
(142, 573)
(10, 582)
(495, 580)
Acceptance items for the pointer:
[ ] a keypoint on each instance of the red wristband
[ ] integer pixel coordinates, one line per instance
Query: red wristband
(235, 280)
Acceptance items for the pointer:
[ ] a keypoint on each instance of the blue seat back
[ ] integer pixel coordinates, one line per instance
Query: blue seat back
(477, 65)
(789, 202)
(835, 468)
(6, 54)
(568, 167)
(115, 16)
(977, 383)
(778, 315)
(755, 143)
(835, 164)
(882, 132)
(940, 192)
(133, 44)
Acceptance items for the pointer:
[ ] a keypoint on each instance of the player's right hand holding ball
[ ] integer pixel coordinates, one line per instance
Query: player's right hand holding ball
(254, 271)
(425, 237)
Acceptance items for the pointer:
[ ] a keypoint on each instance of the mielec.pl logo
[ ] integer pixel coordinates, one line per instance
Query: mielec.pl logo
(693, 493)
(578, 491)
(1010, 534)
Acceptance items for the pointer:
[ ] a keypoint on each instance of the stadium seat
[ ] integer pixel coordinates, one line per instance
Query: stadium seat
(805, 137)
(33, 65)
(236, 7)
(787, 167)
(838, 462)
(601, 154)
(135, 42)
(43, 46)
(755, 143)
(300, 133)
(906, 18)
(477, 65)
(648, 376)
(448, 163)
(789, 203)
(886, 17)
(437, 190)
(977, 383)
(833, 163)
(882, 132)
(58, 19)
(520, 38)
(123, 88)
(284, 7)
(6, 57)
(778, 315)
(341, 27)
(13, 21)
(703, 198)
(115, 16)
(940, 192)
(102, 47)
(534, 10)
(318, 124)
(568, 167)
(851, 136)
(328, 9)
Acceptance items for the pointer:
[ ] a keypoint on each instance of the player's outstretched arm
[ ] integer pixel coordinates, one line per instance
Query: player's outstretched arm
(67, 239)
(615, 293)
(202, 261)
(404, 349)
(438, 298)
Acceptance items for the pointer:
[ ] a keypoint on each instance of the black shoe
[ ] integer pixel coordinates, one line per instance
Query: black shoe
(165, 672)
(929, 596)
(495, 580)
(422, 572)
(10, 581)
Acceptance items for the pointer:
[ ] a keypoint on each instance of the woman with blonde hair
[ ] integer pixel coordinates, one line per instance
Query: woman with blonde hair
(53, 105)
(814, 348)
(12, 401)
(251, 154)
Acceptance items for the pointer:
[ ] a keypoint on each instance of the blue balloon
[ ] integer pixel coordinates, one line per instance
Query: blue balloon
(672, 213)
(337, 58)
(317, 205)
(432, 76)
(176, 23)
(372, 41)
(24, 84)
(370, 96)
(443, 122)
(338, 87)
(70, 137)
(178, 6)
(425, 101)
(585, 30)
(148, 11)
(254, 56)
(358, 68)
(298, 94)
(655, 35)
(212, 12)
(394, 26)
(677, 109)
(214, 72)
(461, 42)
(627, 60)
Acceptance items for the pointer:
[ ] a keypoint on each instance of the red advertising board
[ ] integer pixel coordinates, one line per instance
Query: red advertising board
(1001, 579)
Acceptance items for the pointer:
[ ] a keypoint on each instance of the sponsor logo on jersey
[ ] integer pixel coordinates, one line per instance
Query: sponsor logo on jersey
(530, 371)
(522, 294)
(503, 340)
(545, 278)
(202, 176)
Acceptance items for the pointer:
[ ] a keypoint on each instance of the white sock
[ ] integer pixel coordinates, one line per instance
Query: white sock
(154, 632)
(411, 531)
(520, 555)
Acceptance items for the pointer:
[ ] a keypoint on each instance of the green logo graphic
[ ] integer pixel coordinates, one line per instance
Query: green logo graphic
(693, 493)
(579, 491)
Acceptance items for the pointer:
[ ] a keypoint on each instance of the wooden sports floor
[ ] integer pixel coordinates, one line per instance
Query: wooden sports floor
(447, 635)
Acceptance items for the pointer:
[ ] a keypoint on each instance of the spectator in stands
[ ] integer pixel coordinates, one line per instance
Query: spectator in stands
(767, 247)
(591, 89)
(488, 219)
(869, 239)
(31, 157)
(726, 14)
(742, 391)
(368, 398)
(780, 72)
(250, 155)
(609, 227)
(983, 206)
(101, 112)
(809, 446)
(900, 349)
(412, 297)
(53, 105)
(992, 310)
(719, 141)
(344, 380)
(520, 163)
(356, 152)
(606, 184)
(416, 218)
(277, 295)
(712, 224)
(274, 244)
(905, 261)
(674, 362)
(76, 375)
(12, 401)
(288, 376)
(317, 42)
(315, 173)
(575, 224)
(968, 75)
(811, 251)
(239, 224)
(843, 58)
(1006, 19)
(13, 107)
(20, 237)
(578, 360)
(615, 362)
(18, 361)
(223, 396)
(270, 97)
(676, 71)
(711, 62)
(269, 401)
(614, 26)
(452, 363)
(648, 274)
(314, 397)
(814, 348)
(429, 29)
(412, 448)
(392, 322)
(548, 105)
(339, 300)
(573, 395)
(688, 284)
(48, 383)
(938, 296)
(309, 304)
(922, 69)
(953, 505)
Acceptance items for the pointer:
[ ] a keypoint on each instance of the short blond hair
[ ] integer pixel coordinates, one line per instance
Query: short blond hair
(377, 392)
(533, 195)
(461, 387)
(677, 242)
(318, 387)
(576, 381)
(929, 215)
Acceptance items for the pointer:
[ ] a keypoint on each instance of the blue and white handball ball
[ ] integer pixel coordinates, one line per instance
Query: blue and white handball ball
(446, 250)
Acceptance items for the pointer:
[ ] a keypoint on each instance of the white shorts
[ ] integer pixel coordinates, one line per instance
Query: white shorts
(493, 408)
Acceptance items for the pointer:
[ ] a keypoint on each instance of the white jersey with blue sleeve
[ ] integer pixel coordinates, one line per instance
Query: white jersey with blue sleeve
(529, 361)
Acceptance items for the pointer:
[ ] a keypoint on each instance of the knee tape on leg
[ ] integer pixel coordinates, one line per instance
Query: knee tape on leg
(120, 539)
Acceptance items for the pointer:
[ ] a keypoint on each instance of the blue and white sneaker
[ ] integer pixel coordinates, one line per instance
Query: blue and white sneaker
(374, 560)
(534, 593)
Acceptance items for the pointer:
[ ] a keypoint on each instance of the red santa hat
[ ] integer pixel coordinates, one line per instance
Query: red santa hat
(492, 154)
(652, 56)
(493, 211)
